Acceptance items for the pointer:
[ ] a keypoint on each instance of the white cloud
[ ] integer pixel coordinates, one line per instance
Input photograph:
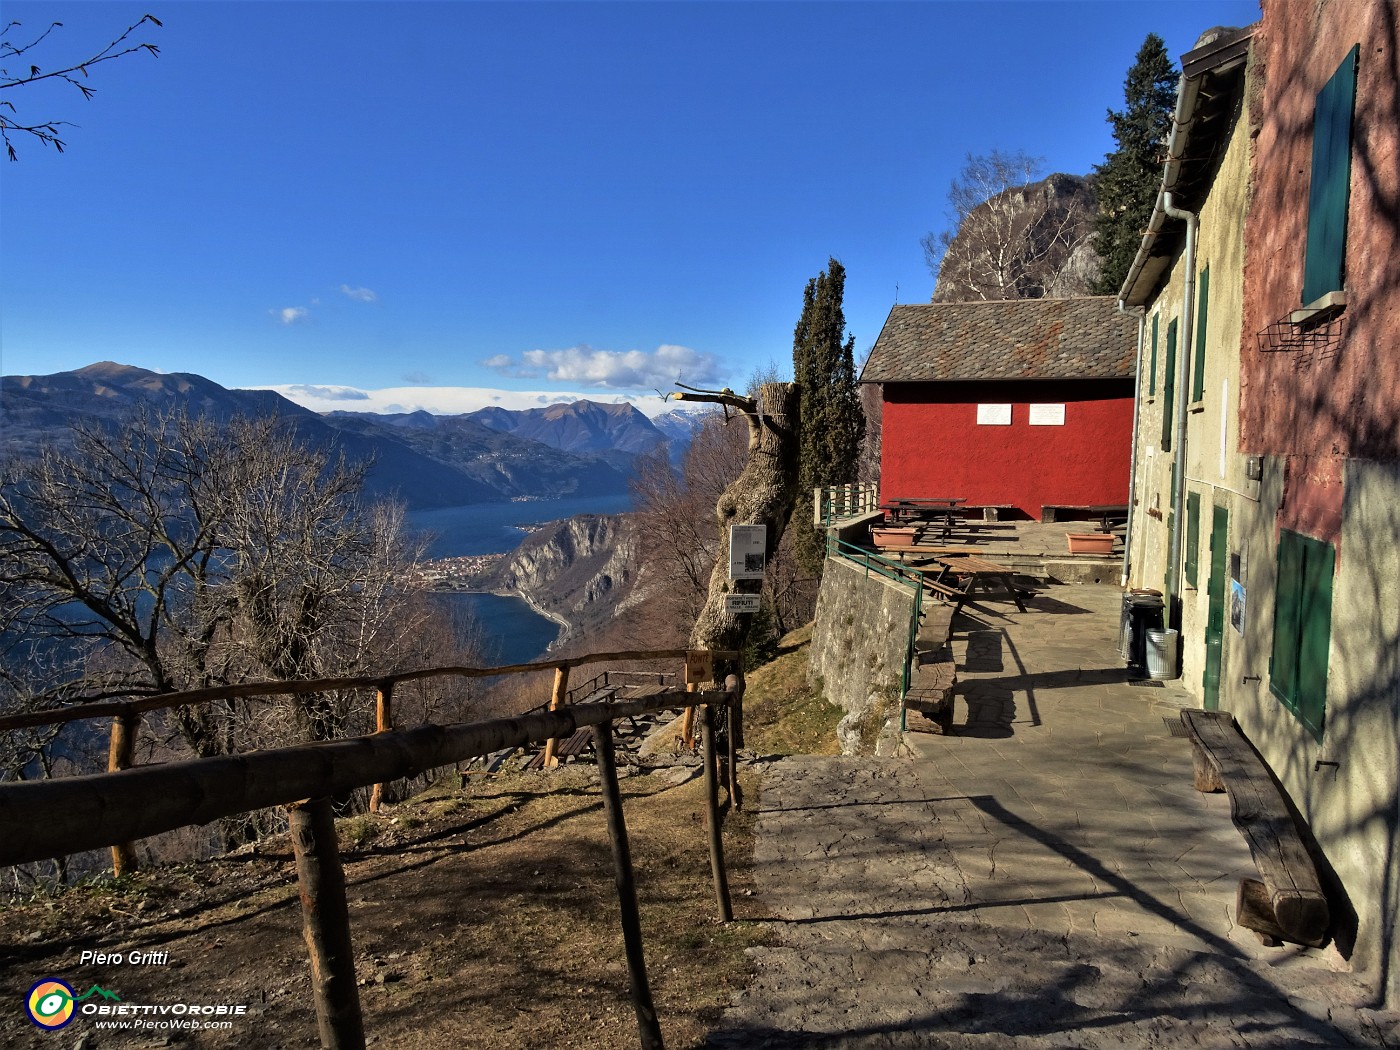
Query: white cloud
(612, 369)
(291, 314)
(363, 295)
(323, 393)
(452, 400)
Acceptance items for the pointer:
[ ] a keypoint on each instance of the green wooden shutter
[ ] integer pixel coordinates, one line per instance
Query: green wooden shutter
(1303, 627)
(1319, 560)
(1152, 368)
(1169, 390)
(1329, 188)
(1198, 378)
(1288, 615)
(1193, 535)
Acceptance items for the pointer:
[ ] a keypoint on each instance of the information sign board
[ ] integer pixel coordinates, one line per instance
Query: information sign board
(747, 547)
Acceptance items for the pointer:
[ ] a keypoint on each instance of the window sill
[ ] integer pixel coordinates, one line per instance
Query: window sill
(1320, 309)
(1197, 406)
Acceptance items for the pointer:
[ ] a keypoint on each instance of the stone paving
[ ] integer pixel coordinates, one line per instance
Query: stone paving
(1044, 877)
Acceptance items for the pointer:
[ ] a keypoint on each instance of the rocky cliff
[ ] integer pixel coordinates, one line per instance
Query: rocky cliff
(578, 571)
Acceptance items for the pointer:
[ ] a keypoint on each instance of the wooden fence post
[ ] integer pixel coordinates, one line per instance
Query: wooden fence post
(648, 1026)
(707, 733)
(736, 714)
(688, 722)
(326, 922)
(557, 699)
(383, 723)
(121, 751)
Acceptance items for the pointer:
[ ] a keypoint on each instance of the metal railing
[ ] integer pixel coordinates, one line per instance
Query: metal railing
(890, 570)
(834, 502)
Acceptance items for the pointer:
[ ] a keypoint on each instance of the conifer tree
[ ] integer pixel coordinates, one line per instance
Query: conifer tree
(832, 421)
(1128, 179)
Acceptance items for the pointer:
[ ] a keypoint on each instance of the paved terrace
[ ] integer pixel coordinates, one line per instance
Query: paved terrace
(1044, 877)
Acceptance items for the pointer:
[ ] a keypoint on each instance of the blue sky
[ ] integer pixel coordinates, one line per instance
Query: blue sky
(561, 198)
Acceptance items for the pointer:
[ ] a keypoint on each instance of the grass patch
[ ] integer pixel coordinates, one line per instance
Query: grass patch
(783, 714)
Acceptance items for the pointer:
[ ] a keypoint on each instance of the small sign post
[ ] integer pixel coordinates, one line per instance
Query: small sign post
(748, 545)
(699, 666)
(741, 603)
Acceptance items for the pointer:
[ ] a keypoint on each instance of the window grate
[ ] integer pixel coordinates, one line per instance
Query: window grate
(1311, 343)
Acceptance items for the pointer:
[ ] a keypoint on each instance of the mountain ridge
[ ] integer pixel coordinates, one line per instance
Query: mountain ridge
(426, 462)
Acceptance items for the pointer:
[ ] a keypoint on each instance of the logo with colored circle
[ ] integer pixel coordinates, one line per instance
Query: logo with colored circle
(50, 1003)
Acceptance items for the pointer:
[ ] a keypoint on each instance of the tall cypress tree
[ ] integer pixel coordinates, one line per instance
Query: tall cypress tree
(832, 420)
(1128, 179)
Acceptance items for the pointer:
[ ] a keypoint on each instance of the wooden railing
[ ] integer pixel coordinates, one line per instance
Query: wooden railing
(48, 818)
(834, 502)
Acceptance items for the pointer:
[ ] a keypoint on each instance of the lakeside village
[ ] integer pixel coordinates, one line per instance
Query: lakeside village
(461, 573)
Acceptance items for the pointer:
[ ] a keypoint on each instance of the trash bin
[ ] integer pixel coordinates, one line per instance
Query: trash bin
(1142, 612)
(1161, 654)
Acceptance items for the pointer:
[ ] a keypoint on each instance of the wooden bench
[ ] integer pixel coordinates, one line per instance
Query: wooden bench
(1288, 905)
(990, 511)
(928, 703)
(1107, 514)
(573, 747)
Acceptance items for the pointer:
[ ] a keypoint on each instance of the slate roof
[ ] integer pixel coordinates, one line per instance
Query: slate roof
(1085, 338)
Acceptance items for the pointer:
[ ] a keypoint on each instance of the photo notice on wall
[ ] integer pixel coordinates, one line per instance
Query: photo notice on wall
(993, 415)
(1047, 415)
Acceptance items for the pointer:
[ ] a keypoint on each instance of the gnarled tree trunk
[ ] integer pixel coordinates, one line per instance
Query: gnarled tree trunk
(763, 494)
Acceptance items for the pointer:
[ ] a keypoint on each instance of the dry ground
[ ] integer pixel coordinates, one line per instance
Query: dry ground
(484, 917)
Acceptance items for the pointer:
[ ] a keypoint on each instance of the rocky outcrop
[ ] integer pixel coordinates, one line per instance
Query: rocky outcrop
(578, 571)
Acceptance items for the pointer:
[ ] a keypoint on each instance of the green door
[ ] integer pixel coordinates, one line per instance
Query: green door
(1215, 615)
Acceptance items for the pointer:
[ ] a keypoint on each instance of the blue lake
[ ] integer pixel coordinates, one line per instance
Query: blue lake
(515, 633)
(490, 528)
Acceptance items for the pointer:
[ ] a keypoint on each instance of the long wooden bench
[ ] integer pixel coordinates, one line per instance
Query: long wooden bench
(1289, 904)
(928, 703)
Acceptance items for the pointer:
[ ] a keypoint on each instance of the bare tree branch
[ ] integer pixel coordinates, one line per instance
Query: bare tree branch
(47, 131)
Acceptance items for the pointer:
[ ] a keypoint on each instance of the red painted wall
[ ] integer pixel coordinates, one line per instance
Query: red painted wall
(933, 445)
(1318, 409)
(1344, 402)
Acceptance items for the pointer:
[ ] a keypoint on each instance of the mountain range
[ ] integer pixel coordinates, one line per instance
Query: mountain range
(423, 459)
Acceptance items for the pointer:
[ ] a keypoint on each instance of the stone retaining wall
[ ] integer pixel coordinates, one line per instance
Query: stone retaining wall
(859, 644)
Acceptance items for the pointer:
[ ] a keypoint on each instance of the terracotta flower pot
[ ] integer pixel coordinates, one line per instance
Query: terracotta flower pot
(1090, 542)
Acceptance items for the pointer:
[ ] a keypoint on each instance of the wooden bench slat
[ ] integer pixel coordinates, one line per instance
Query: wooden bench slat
(1258, 809)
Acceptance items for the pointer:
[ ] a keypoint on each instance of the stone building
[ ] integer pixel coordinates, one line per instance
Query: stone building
(1267, 460)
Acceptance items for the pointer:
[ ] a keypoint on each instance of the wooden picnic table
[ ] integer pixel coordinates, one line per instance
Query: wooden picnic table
(1108, 513)
(924, 507)
(981, 573)
(915, 553)
(936, 509)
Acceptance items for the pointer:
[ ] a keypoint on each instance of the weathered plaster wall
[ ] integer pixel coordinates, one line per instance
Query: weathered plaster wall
(859, 643)
(1215, 470)
(934, 446)
(1329, 430)
(1345, 405)
(1352, 800)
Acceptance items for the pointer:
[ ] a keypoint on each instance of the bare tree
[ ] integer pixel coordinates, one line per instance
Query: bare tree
(675, 508)
(175, 553)
(72, 73)
(1013, 237)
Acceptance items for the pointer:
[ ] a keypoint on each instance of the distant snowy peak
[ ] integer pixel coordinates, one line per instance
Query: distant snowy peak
(578, 426)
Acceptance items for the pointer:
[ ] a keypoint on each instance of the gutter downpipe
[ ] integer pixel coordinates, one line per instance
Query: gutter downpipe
(1141, 315)
(1182, 401)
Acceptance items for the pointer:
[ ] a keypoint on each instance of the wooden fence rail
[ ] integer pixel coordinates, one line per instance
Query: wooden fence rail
(49, 818)
(40, 819)
(125, 714)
